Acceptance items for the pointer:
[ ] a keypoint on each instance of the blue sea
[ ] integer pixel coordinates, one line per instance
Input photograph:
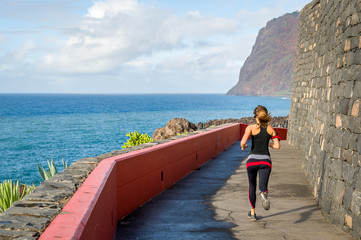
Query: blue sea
(37, 127)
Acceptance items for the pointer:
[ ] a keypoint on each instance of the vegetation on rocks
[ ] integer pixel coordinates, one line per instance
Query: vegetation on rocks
(12, 191)
(136, 138)
(52, 169)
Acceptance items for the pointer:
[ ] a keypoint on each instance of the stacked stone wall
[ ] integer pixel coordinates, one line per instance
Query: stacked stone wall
(325, 115)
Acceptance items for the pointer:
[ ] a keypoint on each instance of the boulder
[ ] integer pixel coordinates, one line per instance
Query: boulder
(173, 128)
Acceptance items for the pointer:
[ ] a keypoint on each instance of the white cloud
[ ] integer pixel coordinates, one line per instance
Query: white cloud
(127, 46)
(195, 14)
(110, 8)
(259, 17)
(117, 34)
(4, 67)
(16, 60)
(27, 47)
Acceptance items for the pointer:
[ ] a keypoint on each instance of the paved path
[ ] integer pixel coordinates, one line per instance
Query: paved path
(184, 211)
(218, 191)
(293, 214)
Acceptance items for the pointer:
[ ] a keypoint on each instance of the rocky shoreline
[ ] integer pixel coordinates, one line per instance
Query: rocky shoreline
(276, 122)
(178, 126)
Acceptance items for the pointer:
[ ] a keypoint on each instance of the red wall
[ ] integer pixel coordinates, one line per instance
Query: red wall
(282, 132)
(118, 185)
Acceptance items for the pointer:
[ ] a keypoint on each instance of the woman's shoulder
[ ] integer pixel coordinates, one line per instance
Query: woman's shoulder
(270, 130)
(252, 126)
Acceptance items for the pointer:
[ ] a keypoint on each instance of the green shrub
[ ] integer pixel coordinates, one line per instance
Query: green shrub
(52, 169)
(11, 191)
(184, 133)
(136, 138)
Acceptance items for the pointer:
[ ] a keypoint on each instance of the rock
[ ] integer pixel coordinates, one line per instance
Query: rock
(173, 128)
(200, 125)
(275, 122)
(180, 125)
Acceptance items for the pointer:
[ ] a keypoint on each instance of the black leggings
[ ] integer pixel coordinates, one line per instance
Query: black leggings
(264, 173)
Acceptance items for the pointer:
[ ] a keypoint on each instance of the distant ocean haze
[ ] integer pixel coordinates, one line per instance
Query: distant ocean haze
(37, 127)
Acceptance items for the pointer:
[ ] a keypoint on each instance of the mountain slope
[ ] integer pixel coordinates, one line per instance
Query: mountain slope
(269, 68)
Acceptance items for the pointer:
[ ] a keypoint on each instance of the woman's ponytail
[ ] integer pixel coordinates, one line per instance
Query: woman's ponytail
(262, 113)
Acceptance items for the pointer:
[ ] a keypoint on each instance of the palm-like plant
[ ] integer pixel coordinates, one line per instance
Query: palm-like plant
(52, 169)
(11, 191)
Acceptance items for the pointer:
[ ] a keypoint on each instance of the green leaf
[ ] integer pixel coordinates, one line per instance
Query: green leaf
(41, 172)
(65, 164)
(47, 174)
(52, 168)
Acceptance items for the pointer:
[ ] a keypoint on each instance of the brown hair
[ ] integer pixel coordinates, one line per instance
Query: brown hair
(262, 113)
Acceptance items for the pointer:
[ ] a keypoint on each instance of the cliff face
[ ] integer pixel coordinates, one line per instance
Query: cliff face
(269, 68)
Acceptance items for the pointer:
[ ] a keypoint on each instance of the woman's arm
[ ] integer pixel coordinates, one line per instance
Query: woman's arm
(245, 137)
(275, 144)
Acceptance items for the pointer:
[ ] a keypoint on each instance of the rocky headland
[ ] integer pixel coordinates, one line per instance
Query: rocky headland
(178, 126)
(271, 63)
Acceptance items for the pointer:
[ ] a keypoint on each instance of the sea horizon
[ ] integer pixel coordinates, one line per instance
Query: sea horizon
(36, 127)
(63, 93)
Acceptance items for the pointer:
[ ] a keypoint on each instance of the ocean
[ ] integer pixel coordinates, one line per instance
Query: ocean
(37, 127)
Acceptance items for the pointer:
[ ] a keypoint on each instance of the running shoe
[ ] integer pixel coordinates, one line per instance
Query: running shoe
(265, 202)
(252, 217)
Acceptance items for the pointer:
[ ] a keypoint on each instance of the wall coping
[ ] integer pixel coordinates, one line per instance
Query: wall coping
(30, 216)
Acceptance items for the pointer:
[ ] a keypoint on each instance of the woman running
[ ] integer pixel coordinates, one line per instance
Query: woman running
(259, 159)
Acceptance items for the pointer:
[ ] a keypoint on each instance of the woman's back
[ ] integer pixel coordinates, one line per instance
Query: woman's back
(260, 142)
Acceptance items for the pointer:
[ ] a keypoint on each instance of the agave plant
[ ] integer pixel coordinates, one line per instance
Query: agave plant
(65, 164)
(52, 169)
(11, 191)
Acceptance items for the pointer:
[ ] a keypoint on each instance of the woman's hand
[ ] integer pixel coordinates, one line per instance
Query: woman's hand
(245, 137)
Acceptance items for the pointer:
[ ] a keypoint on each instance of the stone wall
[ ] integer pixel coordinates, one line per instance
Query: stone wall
(325, 115)
(29, 217)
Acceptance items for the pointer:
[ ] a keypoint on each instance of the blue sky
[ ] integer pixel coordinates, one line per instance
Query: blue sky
(129, 46)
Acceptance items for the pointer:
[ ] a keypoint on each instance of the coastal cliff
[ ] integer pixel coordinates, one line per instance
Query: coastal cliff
(270, 65)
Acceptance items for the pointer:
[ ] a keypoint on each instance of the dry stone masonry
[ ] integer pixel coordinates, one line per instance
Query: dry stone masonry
(325, 116)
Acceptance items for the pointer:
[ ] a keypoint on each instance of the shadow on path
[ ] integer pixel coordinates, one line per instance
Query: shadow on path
(184, 211)
(304, 215)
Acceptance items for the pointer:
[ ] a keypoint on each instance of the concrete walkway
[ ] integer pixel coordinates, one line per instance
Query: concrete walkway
(293, 214)
(212, 203)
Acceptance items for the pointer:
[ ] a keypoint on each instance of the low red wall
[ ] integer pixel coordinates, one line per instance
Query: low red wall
(282, 132)
(120, 184)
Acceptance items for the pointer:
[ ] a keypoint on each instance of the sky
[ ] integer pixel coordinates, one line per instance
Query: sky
(129, 46)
